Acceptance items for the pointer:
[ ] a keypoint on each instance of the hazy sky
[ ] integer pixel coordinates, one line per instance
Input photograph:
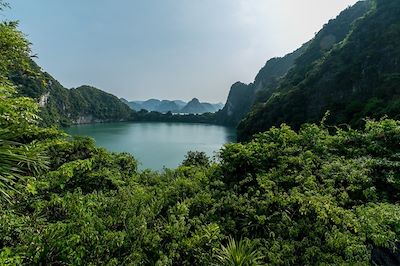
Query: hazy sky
(168, 49)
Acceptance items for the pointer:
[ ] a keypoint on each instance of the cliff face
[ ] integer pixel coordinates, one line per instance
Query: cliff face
(240, 99)
(43, 99)
(328, 75)
(243, 96)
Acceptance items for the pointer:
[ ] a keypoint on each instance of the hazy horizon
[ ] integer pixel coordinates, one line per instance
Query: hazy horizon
(173, 49)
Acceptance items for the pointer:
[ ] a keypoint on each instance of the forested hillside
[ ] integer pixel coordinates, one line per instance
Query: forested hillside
(62, 106)
(242, 97)
(356, 78)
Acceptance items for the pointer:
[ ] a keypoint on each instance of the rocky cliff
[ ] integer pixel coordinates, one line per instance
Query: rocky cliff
(335, 73)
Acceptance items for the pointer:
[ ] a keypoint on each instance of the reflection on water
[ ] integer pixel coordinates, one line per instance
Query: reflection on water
(157, 145)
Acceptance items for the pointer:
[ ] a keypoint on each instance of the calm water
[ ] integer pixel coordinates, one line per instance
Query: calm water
(156, 145)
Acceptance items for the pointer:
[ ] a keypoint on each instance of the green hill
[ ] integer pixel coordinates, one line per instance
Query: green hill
(62, 106)
(243, 96)
(357, 78)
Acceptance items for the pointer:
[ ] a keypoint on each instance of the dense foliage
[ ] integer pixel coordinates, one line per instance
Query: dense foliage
(311, 197)
(146, 116)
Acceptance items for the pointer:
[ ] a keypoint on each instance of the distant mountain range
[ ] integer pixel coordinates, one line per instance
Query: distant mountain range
(175, 106)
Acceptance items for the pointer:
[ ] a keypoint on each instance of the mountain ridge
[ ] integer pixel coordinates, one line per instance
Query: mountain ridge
(243, 98)
(357, 78)
(174, 106)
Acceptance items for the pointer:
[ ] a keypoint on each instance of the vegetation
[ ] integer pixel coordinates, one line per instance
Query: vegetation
(85, 104)
(195, 158)
(281, 72)
(146, 116)
(16, 160)
(61, 106)
(17, 115)
(354, 79)
(242, 96)
(319, 195)
(239, 253)
(311, 197)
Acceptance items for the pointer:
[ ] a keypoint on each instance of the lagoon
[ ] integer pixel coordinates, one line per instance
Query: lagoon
(157, 145)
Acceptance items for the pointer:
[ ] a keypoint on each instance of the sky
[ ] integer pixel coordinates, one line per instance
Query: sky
(166, 49)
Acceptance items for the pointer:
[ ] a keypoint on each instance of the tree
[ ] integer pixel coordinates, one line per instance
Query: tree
(18, 115)
(196, 158)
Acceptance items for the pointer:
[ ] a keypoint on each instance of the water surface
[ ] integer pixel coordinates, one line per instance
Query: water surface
(157, 145)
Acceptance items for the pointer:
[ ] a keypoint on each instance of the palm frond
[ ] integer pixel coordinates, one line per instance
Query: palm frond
(16, 162)
(239, 253)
